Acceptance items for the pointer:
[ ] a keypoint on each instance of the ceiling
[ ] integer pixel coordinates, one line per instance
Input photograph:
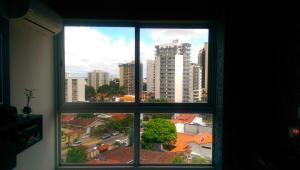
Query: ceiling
(143, 9)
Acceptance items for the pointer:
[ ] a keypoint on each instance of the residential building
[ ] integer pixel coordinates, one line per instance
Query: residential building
(172, 62)
(127, 77)
(196, 144)
(150, 76)
(184, 123)
(194, 84)
(203, 63)
(74, 89)
(97, 78)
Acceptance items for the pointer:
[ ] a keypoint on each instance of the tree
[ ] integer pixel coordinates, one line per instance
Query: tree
(158, 131)
(162, 115)
(76, 155)
(89, 92)
(103, 89)
(199, 160)
(153, 100)
(111, 89)
(178, 160)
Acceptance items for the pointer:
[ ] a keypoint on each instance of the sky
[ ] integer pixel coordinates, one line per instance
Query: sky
(104, 48)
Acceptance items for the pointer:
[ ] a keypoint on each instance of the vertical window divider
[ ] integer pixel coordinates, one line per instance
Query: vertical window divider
(136, 139)
(137, 65)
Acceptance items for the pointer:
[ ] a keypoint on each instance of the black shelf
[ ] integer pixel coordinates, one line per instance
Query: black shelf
(18, 135)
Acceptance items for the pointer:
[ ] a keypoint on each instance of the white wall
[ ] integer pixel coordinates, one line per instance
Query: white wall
(150, 76)
(179, 127)
(178, 78)
(199, 151)
(31, 66)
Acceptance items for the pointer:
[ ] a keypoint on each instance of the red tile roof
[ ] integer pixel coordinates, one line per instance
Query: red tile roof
(98, 161)
(67, 117)
(124, 155)
(119, 116)
(183, 140)
(156, 157)
(104, 147)
(183, 118)
(82, 122)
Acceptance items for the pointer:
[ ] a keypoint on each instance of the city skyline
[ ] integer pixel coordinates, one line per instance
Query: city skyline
(85, 46)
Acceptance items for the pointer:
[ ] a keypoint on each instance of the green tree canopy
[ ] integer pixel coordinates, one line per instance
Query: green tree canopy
(153, 100)
(89, 92)
(178, 160)
(200, 160)
(111, 89)
(158, 131)
(76, 155)
(103, 89)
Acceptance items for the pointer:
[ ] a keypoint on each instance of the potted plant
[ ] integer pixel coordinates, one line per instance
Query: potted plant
(29, 96)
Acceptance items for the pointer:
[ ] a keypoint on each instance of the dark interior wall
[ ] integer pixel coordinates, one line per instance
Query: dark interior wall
(252, 128)
(261, 91)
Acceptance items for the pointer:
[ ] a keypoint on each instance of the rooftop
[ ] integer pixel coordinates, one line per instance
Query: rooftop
(67, 117)
(119, 116)
(125, 155)
(183, 140)
(183, 118)
(82, 122)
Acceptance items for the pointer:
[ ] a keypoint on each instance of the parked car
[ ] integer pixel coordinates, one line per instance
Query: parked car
(115, 133)
(105, 136)
(76, 143)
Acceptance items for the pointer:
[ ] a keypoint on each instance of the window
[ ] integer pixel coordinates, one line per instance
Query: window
(139, 95)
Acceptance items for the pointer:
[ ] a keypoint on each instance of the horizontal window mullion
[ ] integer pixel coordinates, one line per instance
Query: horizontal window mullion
(130, 108)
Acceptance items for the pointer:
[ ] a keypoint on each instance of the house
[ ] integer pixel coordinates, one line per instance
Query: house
(185, 122)
(196, 144)
(85, 125)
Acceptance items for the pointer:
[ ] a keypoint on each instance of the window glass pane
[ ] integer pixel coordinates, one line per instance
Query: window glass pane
(176, 65)
(176, 138)
(97, 138)
(99, 64)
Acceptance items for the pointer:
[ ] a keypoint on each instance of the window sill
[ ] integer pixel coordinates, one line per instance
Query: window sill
(136, 168)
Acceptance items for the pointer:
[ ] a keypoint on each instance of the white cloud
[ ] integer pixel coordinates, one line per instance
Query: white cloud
(184, 35)
(87, 49)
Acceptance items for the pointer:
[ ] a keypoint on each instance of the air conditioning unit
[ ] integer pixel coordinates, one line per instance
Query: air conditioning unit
(33, 11)
(43, 16)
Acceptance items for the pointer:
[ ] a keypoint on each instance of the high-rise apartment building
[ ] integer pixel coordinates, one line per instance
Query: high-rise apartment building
(97, 78)
(194, 84)
(150, 76)
(127, 77)
(74, 89)
(203, 63)
(172, 65)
